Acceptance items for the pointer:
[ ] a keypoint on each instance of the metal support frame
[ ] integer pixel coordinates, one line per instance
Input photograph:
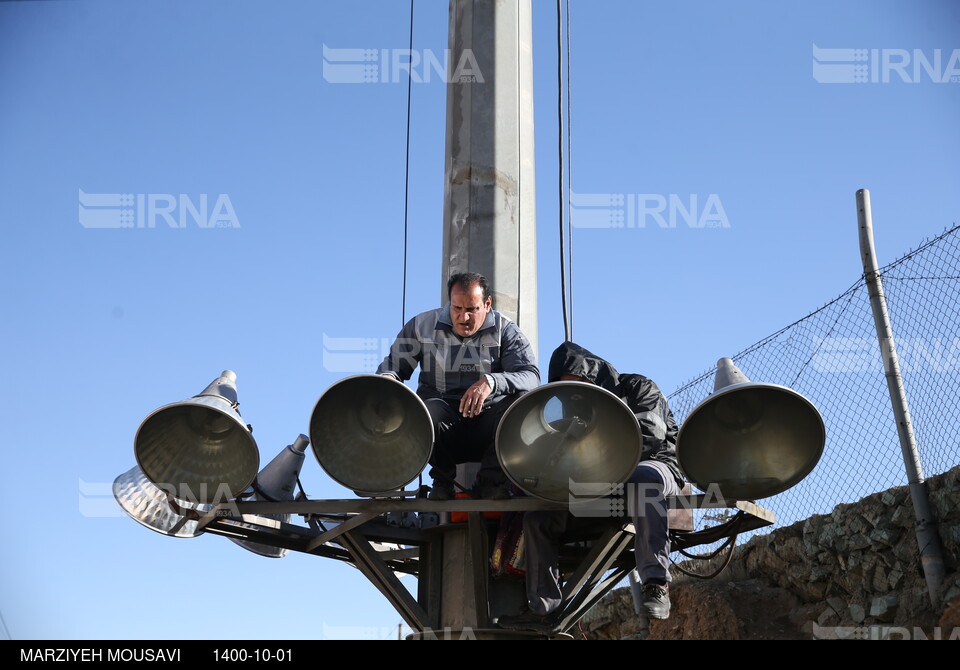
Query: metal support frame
(359, 534)
(607, 550)
(377, 571)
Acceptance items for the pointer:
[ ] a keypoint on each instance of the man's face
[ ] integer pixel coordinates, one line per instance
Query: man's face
(468, 309)
(573, 378)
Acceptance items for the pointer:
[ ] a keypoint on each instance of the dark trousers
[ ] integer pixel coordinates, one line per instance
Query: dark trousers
(542, 531)
(461, 439)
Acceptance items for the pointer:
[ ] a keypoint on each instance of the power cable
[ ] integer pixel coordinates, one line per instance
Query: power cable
(406, 196)
(569, 183)
(406, 180)
(563, 280)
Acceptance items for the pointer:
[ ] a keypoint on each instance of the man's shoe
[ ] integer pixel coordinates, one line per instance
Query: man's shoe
(495, 492)
(547, 624)
(656, 601)
(441, 491)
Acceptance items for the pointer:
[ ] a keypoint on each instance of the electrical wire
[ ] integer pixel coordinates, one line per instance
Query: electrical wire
(406, 182)
(569, 184)
(682, 540)
(729, 544)
(406, 197)
(563, 280)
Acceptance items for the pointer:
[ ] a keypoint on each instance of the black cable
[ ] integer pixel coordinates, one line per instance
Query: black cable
(569, 185)
(563, 280)
(520, 303)
(682, 540)
(406, 182)
(731, 542)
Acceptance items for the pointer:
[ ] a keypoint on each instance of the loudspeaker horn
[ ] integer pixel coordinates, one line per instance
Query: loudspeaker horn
(371, 433)
(750, 440)
(149, 505)
(569, 441)
(200, 448)
(277, 482)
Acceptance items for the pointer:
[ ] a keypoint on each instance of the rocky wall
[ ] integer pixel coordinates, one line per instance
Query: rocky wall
(853, 573)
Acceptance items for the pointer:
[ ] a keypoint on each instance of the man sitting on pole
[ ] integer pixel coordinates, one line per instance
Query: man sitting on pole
(474, 362)
(656, 477)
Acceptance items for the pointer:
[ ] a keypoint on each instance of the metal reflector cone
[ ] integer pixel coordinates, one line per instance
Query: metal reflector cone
(149, 506)
(750, 440)
(271, 520)
(569, 441)
(371, 433)
(201, 448)
(276, 482)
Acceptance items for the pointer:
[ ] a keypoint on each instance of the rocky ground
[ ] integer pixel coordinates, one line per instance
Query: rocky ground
(853, 573)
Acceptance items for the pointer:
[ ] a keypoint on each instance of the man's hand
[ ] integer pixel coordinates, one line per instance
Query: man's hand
(471, 404)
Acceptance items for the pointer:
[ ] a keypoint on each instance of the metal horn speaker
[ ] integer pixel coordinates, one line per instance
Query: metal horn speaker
(569, 440)
(276, 483)
(200, 448)
(371, 433)
(149, 505)
(750, 440)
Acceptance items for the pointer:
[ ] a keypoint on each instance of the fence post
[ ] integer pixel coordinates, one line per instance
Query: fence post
(931, 555)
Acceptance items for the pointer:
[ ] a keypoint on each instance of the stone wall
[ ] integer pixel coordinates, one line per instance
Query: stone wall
(852, 573)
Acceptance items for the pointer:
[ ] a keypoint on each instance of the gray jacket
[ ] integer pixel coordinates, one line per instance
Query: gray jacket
(449, 364)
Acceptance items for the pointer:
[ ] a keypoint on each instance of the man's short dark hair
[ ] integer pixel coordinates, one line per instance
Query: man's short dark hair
(466, 281)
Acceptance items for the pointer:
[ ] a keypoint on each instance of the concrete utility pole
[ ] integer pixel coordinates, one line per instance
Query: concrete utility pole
(489, 227)
(489, 214)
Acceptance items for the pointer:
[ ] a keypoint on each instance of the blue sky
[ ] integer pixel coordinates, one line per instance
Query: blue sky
(174, 101)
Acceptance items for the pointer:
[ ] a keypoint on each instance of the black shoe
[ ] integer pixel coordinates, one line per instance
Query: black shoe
(547, 624)
(441, 491)
(656, 601)
(495, 492)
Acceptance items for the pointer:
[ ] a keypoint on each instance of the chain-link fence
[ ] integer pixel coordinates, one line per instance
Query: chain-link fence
(832, 356)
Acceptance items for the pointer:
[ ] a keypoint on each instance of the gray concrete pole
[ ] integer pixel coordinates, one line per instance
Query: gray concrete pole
(489, 214)
(931, 555)
(489, 227)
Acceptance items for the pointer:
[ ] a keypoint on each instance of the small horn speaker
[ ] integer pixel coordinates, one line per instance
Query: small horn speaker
(277, 483)
(371, 433)
(200, 448)
(750, 440)
(149, 505)
(569, 440)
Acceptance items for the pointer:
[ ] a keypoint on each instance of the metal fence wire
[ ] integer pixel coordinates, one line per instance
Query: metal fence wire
(832, 356)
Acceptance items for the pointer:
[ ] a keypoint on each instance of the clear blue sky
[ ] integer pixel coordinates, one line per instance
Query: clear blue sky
(103, 325)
